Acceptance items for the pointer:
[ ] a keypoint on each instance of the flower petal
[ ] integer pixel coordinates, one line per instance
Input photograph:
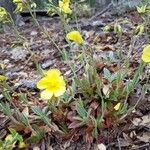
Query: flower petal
(75, 36)
(2, 78)
(117, 106)
(53, 73)
(146, 54)
(147, 49)
(42, 84)
(46, 94)
(60, 92)
(146, 58)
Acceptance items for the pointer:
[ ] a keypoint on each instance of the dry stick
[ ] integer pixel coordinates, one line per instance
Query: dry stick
(147, 145)
(101, 12)
(81, 23)
(119, 146)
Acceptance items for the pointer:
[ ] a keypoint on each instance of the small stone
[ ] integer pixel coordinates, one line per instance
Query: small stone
(48, 63)
(33, 33)
(101, 146)
(31, 84)
(19, 53)
(97, 23)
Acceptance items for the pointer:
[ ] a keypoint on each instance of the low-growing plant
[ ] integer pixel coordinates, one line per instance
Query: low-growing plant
(94, 101)
(12, 140)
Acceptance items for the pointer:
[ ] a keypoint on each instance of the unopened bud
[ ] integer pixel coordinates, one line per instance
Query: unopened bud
(117, 29)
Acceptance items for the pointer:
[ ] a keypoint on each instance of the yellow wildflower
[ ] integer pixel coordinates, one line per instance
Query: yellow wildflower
(75, 36)
(20, 5)
(52, 84)
(22, 145)
(2, 78)
(64, 6)
(9, 137)
(117, 106)
(3, 15)
(146, 54)
(3, 12)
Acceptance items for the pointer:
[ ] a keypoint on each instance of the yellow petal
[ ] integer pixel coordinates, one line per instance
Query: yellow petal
(2, 78)
(147, 49)
(22, 145)
(146, 54)
(64, 6)
(46, 94)
(60, 92)
(42, 84)
(60, 4)
(66, 1)
(9, 137)
(75, 36)
(67, 10)
(117, 106)
(53, 73)
(146, 58)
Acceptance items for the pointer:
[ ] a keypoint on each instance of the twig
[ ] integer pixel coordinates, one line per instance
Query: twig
(119, 146)
(147, 145)
(101, 12)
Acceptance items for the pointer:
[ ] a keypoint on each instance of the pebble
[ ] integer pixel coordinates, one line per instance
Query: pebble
(98, 23)
(31, 84)
(18, 53)
(48, 63)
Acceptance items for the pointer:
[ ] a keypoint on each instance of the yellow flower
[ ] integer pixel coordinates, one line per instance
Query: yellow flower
(3, 15)
(3, 12)
(117, 106)
(2, 78)
(22, 145)
(9, 137)
(146, 54)
(75, 36)
(20, 5)
(52, 84)
(64, 6)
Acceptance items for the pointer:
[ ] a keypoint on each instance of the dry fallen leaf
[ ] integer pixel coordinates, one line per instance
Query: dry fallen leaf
(36, 148)
(145, 137)
(144, 121)
(26, 111)
(106, 90)
(101, 147)
(50, 148)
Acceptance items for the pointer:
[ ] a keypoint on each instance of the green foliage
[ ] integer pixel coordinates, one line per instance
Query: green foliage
(11, 140)
(90, 99)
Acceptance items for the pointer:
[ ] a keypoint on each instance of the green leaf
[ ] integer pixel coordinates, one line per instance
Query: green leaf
(37, 111)
(24, 119)
(12, 131)
(81, 110)
(7, 95)
(95, 130)
(37, 135)
(23, 97)
(107, 74)
(5, 107)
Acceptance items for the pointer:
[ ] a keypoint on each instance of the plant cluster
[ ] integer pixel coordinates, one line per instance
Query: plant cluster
(91, 103)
